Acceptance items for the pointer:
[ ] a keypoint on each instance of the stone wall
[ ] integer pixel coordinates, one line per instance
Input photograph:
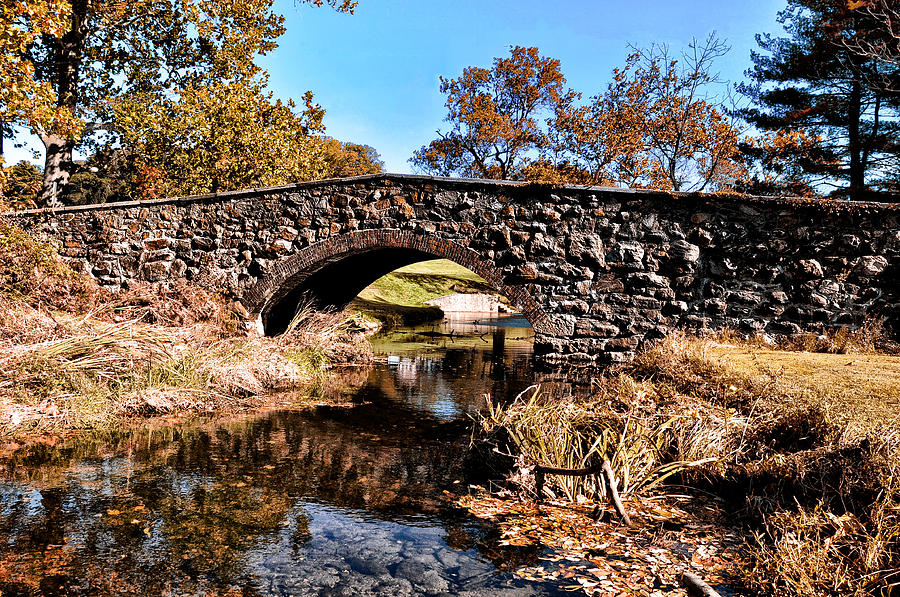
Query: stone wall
(596, 271)
(469, 303)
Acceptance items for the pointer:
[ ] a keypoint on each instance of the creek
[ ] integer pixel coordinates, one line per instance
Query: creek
(335, 500)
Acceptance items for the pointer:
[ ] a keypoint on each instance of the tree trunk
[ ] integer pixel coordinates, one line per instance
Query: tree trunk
(57, 168)
(58, 161)
(857, 170)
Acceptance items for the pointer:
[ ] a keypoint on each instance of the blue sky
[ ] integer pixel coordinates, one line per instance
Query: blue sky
(376, 72)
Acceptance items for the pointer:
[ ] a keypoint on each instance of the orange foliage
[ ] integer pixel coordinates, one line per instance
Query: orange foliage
(495, 114)
(654, 127)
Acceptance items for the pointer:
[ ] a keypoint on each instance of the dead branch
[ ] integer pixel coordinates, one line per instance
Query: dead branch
(697, 586)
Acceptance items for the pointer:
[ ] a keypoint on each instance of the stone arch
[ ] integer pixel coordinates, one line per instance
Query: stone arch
(325, 267)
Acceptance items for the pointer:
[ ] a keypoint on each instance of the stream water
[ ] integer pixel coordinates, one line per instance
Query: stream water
(340, 500)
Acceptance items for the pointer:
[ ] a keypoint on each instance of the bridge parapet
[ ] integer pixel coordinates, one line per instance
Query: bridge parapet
(597, 271)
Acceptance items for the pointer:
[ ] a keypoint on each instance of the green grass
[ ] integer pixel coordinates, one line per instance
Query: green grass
(400, 297)
(415, 284)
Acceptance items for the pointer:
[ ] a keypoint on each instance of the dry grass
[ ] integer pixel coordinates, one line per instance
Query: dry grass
(816, 473)
(73, 354)
(643, 444)
(59, 369)
(859, 390)
(869, 338)
(803, 448)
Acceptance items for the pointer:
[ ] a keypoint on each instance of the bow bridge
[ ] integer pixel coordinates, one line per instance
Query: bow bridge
(596, 271)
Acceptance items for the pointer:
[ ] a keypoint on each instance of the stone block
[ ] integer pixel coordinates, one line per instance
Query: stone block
(810, 267)
(586, 248)
(870, 266)
(590, 328)
(647, 280)
(684, 251)
(745, 297)
(563, 325)
(156, 271)
(622, 344)
(161, 255)
(203, 243)
(646, 302)
(155, 244)
(675, 308)
(281, 247)
(627, 254)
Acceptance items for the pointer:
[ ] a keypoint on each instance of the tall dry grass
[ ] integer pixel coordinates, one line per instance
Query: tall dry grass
(81, 370)
(818, 500)
(821, 499)
(645, 446)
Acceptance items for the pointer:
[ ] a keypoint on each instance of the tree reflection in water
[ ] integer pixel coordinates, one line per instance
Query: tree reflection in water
(337, 500)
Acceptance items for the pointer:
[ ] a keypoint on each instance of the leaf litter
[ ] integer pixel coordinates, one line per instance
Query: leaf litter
(587, 550)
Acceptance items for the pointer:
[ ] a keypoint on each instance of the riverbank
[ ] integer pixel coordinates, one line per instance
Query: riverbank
(73, 355)
(401, 297)
(775, 449)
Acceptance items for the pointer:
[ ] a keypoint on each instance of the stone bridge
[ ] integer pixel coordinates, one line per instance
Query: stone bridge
(596, 271)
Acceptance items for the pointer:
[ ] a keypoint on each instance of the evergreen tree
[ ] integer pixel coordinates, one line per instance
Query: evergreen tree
(810, 82)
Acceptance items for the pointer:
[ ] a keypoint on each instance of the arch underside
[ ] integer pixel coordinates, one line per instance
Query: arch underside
(331, 273)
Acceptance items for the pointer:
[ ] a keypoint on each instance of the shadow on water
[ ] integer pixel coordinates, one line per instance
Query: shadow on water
(333, 501)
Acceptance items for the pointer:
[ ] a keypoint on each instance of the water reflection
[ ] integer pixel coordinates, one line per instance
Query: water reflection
(446, 368)
(336, 501)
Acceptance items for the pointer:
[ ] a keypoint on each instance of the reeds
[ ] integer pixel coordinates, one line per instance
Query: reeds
(819, 499)
(75, 354)
(847, 540)
(641, 445)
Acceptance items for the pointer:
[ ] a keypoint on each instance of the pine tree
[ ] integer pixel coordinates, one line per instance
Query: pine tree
(811, 82)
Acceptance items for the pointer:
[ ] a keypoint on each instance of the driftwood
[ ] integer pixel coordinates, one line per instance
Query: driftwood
(614, 492)
(595, 468)
(697, 586)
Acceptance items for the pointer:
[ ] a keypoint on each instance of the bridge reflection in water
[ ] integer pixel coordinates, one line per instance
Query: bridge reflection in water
(334, 501)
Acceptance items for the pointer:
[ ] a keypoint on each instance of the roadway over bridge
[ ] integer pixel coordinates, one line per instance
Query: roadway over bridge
(596, 271)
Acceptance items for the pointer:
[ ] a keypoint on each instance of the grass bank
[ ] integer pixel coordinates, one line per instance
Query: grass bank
(399, 298)
(73, 355)
(791, 461)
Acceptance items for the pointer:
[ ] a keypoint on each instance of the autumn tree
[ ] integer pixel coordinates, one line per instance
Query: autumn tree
(777, 162)
(218, 137)
(345, 158)
(106, 50)
(110, 174)
(656, 125)
(497, 117)
(23, 98)
(600, 143)
(689, 142)
(812, 81)
(22, 186)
